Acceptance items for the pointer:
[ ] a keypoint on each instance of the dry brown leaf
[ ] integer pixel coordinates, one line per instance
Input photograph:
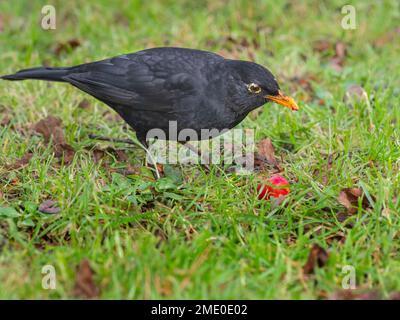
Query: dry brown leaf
(66, 46)
(119, 154)
(387, 38)
(355, 295)
(112, 116)
(64, 151)
(235, 48)
(342, 216)
(98, 154)
(337, 61)
(51, 129)
(348, 197)
(322, 45)
(317, 257)
(84, 283)
(5, 121)
(49, 206)
(47, 127)
(84, 104)
(22, 162)
(163, 286)
(160, 168)
(340, 49)
(395, 295)
(266, 151)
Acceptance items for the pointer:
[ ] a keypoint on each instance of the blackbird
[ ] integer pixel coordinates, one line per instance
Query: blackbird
(196, 89)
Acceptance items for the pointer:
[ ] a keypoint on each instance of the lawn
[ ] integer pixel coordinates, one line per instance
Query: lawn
(116, 233)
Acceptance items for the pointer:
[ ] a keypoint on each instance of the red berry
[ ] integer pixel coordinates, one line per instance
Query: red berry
(274, 188)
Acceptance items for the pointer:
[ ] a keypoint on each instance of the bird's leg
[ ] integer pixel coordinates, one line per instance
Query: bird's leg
(198, 152)
(142, 140)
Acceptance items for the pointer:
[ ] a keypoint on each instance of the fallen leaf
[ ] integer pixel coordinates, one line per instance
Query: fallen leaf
(303, 85)
(355, 295)
(395, 295)
(266, 151)
(336, 64)
(98, 154)
(64, 151)
(22, 162)
(163, 286)
(51, 129)
(322, 46)
(48, 127)
(160, 168)
(84, 104)
(317, 257)
(234, 48)
(112, 116)
(119, 154)
(337, 61)
(5, 121)
(340, 49)
(84, 283)
(349, 197)
(342, 216)
(66, 46)
(49, 206)
(387, 38)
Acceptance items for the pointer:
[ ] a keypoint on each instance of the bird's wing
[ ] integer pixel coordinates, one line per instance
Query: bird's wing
(145, 81)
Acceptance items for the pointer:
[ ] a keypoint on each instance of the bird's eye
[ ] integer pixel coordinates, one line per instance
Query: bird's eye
(254, 88)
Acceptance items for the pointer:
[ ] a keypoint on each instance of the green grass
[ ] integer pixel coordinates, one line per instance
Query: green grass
(208, 236)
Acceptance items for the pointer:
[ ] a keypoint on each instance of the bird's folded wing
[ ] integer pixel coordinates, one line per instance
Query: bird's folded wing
(133, 84)
(102, 91)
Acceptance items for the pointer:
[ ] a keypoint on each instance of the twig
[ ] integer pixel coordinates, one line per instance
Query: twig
(128, 141)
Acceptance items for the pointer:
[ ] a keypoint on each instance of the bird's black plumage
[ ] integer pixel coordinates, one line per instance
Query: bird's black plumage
(197, 89)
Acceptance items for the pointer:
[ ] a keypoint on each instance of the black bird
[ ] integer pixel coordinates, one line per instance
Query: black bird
(197, 89)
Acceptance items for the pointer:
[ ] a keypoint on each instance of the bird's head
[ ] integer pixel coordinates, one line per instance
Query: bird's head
(252, 85)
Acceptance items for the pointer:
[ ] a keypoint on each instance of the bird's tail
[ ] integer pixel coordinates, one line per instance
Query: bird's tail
(41, 73)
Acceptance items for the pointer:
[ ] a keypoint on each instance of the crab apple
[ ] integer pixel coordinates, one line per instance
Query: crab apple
(276, 187)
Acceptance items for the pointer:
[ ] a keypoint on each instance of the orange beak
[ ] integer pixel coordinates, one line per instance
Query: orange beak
(284, 101)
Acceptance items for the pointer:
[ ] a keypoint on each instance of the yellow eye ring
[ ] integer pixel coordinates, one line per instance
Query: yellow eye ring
(254, 88)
